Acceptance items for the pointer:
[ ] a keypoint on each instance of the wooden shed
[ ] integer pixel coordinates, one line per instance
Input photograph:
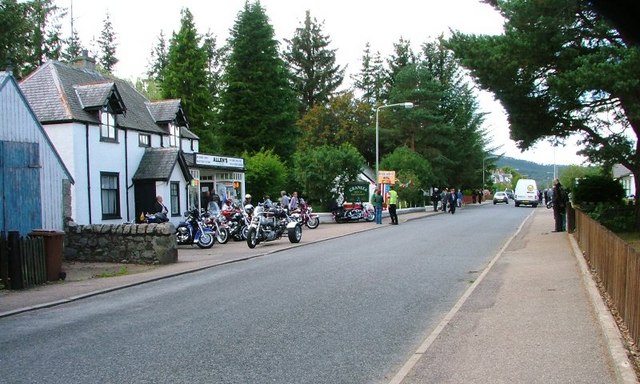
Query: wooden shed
(34, 182)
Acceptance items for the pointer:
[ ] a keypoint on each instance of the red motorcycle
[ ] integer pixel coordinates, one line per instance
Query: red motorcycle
(303, 215)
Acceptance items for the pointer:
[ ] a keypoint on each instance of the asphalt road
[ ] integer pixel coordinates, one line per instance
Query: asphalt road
(350, 310)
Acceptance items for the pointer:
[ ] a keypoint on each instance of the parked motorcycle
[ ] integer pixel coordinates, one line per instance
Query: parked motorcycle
(354, 212)
(270, 224)
(193, 231)
(238, 220)
(213, 219)
(304, 215)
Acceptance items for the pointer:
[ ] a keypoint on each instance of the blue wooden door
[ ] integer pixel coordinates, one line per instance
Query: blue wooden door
(20, 186)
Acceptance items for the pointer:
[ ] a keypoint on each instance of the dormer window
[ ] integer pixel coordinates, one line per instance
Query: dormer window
(108, 130)
(174, 135)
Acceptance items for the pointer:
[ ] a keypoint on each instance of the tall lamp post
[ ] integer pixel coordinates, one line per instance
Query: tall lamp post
(483, 179)
(406, 105)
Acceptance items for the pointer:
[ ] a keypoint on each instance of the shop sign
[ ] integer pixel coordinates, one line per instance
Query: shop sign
(219, 161)
(356, 192)
(386, 177)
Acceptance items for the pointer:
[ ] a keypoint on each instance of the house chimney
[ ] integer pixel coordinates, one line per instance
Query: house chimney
(85, 62)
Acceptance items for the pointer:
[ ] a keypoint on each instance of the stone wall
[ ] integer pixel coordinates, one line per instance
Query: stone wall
(122, 243)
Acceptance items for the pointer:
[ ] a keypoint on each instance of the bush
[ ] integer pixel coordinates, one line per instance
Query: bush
(617, 218)
(598, 189)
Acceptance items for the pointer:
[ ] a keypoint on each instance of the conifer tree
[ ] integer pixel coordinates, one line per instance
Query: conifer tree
(257, 105)
(315, 75)
(159, 58)
(185, 78)
(107, 45)
(370, 80)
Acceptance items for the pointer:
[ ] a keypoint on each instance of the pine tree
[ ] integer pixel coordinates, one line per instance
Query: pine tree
(185, 78)
(159, 58)
(74, 48)
(315, 75)
(370, 80)
(107, 45)
(402, 57)
(30, 34)
(258, 107)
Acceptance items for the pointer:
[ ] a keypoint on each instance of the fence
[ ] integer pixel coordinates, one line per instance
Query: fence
(22, 261)
(618, 266)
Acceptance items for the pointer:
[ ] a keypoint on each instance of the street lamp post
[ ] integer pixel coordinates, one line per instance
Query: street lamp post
(406, 105)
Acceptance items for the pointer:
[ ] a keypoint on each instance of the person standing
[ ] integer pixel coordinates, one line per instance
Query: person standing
(284, 200)
(393, 205)
(435, 198)
(559, 200)
(293, 202)
(376, 201)
(445, 199)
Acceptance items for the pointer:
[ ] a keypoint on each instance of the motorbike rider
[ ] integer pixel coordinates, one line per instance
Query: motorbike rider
(247, 199)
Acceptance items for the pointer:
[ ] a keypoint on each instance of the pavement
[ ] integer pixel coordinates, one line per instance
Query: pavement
(534, 315)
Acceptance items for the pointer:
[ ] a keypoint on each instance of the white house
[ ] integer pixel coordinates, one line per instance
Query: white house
(34, 181)
(626, 178)
(121, 148)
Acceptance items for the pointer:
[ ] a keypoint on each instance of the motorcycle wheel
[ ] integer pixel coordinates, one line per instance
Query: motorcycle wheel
(295, 233)
(244, 232)
(182, 237)
(206, 240)
(222, 235)
(370, 217)
(313, 222)
(252, 238)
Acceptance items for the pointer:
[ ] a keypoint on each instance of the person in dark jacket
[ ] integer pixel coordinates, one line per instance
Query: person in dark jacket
(453, 201)
(559, 200)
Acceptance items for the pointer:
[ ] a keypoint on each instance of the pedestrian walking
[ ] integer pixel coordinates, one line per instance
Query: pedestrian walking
(452, 201)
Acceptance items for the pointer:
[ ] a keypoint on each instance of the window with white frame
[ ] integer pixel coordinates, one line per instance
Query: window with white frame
(174, 135)
(110, 194)
(175, 198)
(144, 140)
(108, 130)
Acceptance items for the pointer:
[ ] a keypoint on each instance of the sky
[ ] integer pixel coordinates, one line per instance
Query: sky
(349, 24)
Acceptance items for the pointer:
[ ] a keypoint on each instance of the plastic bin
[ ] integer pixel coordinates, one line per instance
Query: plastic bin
(54, 248)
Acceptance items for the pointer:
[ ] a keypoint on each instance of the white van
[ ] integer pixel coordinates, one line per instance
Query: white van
(526, 193)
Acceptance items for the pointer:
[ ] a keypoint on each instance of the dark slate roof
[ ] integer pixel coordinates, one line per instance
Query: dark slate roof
(59, 92)
(158, 163)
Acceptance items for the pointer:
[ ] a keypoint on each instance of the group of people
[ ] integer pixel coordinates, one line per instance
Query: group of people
(377, 200)
(446, 200)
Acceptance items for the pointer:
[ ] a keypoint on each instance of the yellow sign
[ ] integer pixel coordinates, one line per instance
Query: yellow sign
(386, 177)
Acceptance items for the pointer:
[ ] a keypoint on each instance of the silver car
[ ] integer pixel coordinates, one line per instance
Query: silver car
(500, 197)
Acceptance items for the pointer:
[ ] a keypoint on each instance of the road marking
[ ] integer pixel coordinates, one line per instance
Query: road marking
(408, 366)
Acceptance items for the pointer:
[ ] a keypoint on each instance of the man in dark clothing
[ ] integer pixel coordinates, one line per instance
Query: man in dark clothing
(453, 201)
(435, 198)
(559, 200)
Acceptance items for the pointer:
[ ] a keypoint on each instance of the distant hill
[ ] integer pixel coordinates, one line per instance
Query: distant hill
(541, 173)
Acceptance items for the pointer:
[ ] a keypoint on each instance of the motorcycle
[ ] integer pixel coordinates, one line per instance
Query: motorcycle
(193, 231)
(357, 211)
(213, 219)
(270, 224)
(237, 220)
(304, 216)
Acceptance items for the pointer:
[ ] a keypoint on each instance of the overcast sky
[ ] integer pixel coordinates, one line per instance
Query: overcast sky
(350, 24)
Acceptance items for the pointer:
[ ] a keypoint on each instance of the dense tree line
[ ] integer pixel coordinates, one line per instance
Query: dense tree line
(254, 98)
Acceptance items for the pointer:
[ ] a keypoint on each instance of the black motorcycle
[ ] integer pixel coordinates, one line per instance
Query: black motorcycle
(355, 212)
(268, 224)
